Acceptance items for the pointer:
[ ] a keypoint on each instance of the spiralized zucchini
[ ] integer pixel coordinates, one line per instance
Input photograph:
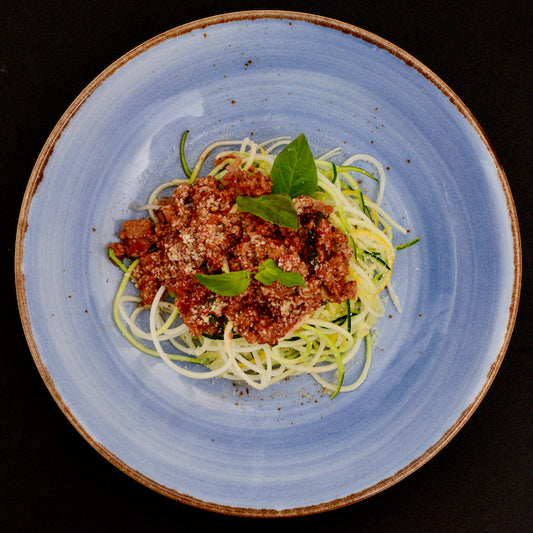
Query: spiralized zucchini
(331, 337)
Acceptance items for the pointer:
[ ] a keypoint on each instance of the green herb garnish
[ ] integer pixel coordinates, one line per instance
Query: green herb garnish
(293, 174)
(294, 169)
(269, 272)
(227, 284)
(234, 283)
(275, 208)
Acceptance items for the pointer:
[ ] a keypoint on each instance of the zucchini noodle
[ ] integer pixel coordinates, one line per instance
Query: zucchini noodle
(327, 342)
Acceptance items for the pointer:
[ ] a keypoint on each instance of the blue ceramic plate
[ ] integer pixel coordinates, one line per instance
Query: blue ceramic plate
(290, 449)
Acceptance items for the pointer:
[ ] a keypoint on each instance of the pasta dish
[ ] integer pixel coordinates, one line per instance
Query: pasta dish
(270, 265)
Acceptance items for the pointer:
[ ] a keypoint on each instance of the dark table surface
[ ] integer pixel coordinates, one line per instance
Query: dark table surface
(51, 479)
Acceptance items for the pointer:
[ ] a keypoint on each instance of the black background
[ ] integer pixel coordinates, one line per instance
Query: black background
(51, 479)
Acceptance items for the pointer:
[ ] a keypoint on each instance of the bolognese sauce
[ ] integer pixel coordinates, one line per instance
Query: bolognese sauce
(199, 229)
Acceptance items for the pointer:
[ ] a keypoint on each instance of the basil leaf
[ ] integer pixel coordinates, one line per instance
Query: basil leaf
(233, 283)
(275, 208)
(294, 170)
(269, 272)
(227, 284)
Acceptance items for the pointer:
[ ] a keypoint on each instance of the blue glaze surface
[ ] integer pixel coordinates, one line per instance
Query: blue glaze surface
(209, 442)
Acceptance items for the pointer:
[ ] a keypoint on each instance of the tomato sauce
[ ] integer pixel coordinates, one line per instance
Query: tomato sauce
(201, 230)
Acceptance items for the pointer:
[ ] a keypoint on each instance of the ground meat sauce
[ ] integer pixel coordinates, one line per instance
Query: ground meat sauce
(200, 229)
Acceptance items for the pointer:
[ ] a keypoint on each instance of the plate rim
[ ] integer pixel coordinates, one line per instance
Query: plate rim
(37, 175)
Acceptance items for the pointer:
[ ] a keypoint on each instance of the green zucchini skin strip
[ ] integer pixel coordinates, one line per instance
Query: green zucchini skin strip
(116, 260)
(183, 161)
(360, 170)
(124, 330)
(407, 244)
(334, 167)
(338, 358)
(376, 257)
(368, 362)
